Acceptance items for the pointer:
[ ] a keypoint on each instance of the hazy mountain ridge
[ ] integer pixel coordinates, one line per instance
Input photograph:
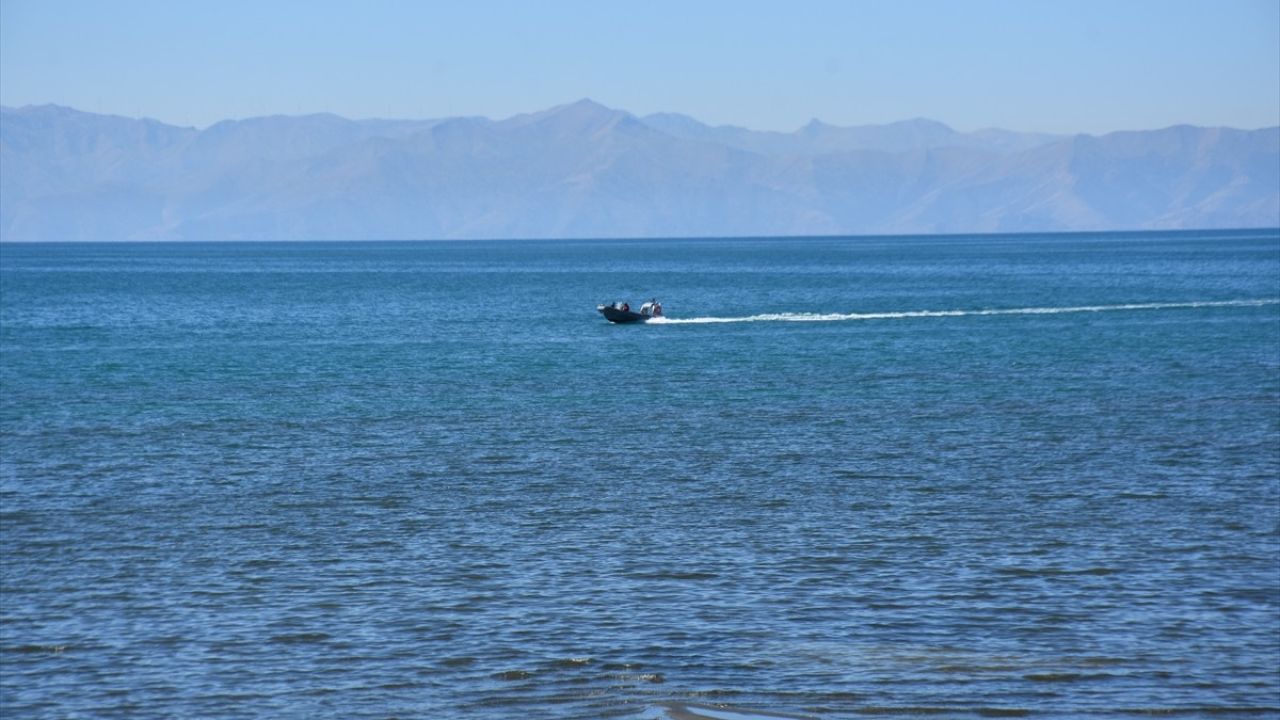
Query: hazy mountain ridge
(819, 138)
(584, 170)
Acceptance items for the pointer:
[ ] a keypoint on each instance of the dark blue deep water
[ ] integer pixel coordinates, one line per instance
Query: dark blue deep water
(966, 476)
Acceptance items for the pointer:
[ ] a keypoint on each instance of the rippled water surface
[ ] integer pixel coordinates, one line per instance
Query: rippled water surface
(972, 476)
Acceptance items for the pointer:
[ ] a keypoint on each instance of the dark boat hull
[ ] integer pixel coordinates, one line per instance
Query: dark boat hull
(616, 315)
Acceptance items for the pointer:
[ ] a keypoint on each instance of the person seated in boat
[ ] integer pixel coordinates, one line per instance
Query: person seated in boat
(626, 307)
(657, 309)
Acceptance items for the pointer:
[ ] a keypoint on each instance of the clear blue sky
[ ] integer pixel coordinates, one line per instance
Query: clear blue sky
(1047, 65)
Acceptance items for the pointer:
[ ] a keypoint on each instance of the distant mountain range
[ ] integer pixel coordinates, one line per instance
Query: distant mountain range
(584, 170)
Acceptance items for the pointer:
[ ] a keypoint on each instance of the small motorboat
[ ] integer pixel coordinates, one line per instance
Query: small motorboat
(622, 312)
(615, 314)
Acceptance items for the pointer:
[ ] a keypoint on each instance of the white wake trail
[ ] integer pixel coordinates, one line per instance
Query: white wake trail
(834, 317)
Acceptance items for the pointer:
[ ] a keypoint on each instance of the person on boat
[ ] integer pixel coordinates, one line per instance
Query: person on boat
(626, 307)
(646, 308)
(657, 309)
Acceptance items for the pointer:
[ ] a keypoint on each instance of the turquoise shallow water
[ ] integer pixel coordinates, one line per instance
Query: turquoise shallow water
(1026, 475)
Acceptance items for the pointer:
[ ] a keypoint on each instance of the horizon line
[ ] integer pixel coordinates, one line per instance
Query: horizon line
(588, 101)
(677, 238)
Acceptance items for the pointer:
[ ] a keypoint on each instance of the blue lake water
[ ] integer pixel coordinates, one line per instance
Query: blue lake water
(962, 476)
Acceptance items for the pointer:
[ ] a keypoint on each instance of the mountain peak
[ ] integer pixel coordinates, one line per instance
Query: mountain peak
(923, 123)
(587, 103)
(50, 110)
(815, 125)
(585, 115)
(586, 108)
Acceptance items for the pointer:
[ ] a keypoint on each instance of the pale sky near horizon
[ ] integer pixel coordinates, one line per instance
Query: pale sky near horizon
(1089, 66)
